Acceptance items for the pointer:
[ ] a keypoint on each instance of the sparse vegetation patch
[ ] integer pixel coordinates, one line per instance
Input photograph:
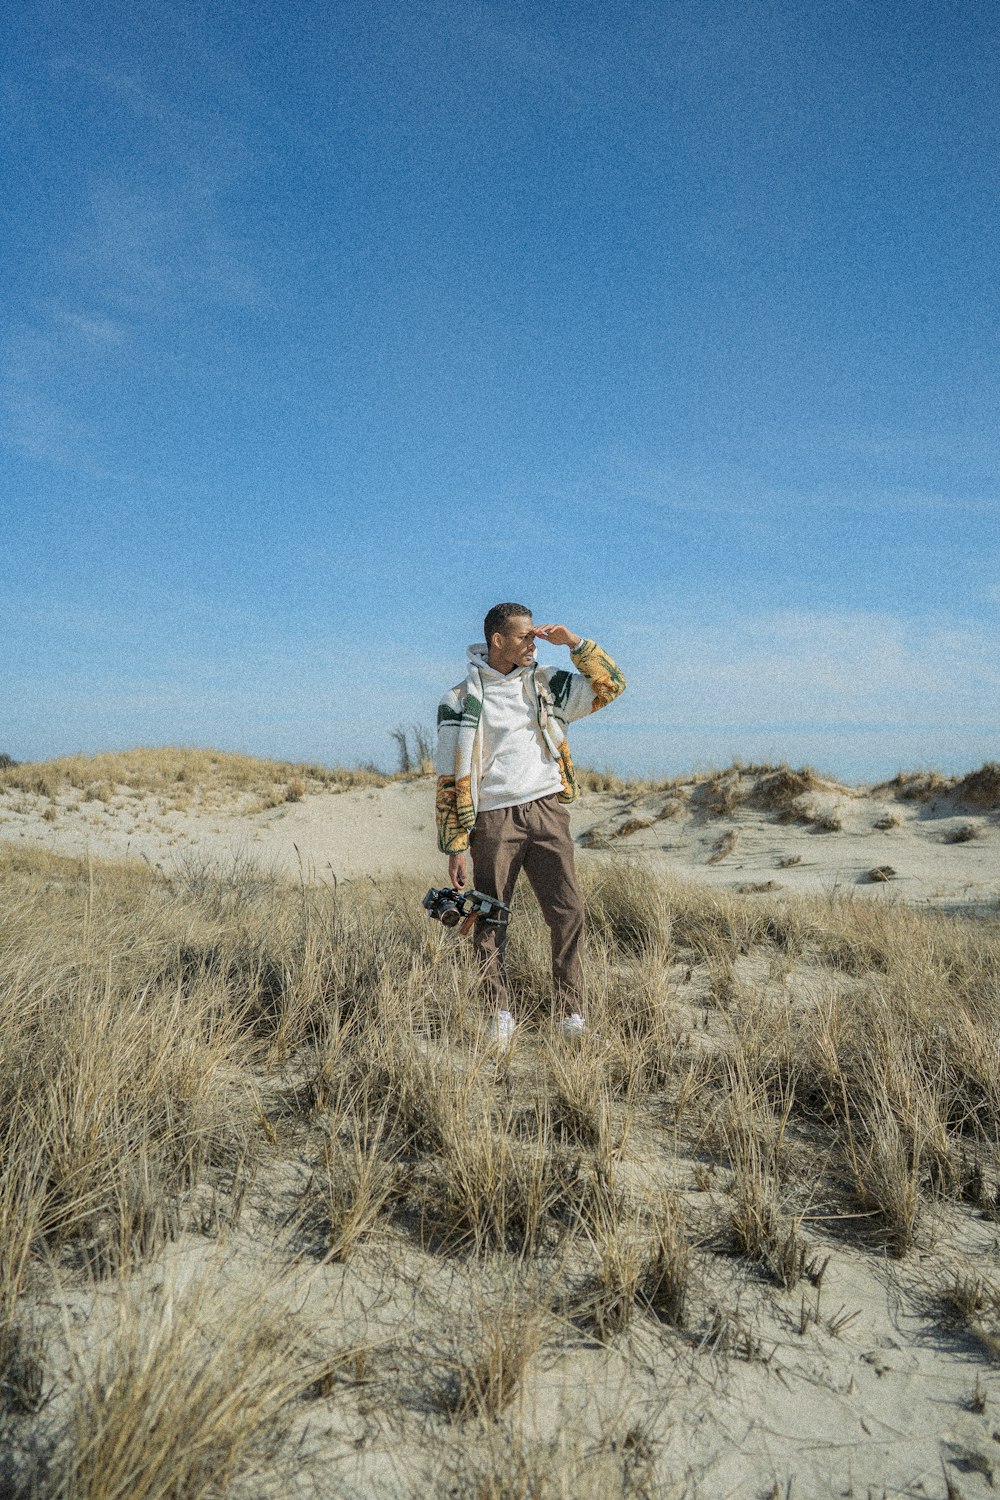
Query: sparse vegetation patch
(981, 789)
(214, 1069)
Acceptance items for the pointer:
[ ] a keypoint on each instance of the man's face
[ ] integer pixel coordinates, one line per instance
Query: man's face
(519, 640)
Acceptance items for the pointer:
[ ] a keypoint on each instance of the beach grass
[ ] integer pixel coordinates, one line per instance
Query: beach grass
(261, 1161)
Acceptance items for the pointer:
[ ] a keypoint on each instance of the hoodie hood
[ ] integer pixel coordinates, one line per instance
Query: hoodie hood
(478, 655)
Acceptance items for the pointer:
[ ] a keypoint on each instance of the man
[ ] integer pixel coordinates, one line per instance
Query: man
(504, 777)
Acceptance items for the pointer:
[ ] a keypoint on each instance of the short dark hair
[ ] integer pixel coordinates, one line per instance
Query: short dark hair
(497, 617)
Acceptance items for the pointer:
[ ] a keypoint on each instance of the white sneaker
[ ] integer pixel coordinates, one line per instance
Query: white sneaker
(571, 1028)
(501, 1028)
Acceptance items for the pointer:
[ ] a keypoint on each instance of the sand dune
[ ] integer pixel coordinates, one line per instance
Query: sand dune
(920, 840)
(799, 1096)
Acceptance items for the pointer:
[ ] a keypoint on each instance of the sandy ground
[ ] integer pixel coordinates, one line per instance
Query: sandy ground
(853, 1390)
(380, 832)
(853, 1387)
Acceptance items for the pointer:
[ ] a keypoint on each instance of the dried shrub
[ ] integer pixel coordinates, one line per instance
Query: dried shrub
(914, 786)
(981, 788)
(780, 791)
(634, 825)
(723, 847)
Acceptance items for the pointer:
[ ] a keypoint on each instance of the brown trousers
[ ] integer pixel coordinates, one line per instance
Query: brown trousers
(534, 836)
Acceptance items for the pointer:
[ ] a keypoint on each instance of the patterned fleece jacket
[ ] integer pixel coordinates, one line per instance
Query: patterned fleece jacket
(559, 698)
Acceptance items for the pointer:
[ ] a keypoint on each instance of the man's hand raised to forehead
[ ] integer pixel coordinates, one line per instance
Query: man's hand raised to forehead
(557, 635)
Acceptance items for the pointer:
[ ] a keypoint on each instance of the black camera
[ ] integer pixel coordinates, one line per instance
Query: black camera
(450, 906)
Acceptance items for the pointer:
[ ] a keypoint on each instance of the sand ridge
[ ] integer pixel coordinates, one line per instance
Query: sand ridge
(745, 830)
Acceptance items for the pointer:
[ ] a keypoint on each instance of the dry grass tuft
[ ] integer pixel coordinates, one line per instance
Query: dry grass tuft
(751, 1136)
(628, 909)
(610, 1298)
(980, 789)
(724, 846)
(180, 1401)
(915, 786)
(579, 1100)
(665, 1280)
(600, 781)
(722, 793)
(780, 791)
(965, 1298)
(356, 1181)
(515, 1467)
(763, 1234)
(22, 1367)
(491, 1191)
(633, 825)
(505, 1339)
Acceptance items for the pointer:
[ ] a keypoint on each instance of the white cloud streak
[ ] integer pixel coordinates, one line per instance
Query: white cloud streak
(798, 667)
(150, 243)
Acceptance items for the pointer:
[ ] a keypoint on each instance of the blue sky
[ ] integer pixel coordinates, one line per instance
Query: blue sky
(328, 326)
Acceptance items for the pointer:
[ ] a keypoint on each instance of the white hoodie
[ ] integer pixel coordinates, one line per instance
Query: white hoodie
(516, 763)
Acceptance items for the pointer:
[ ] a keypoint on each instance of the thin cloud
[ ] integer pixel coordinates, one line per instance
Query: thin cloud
(874, 444)
(118, 85)
(96, 330)
(148, 247)
(723, 488)
(819, 668)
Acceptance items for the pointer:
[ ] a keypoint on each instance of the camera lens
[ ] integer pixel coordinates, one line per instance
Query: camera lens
(450, 916)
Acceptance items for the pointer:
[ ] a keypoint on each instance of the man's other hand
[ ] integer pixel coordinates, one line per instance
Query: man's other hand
(558, 635)
(456, 870)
